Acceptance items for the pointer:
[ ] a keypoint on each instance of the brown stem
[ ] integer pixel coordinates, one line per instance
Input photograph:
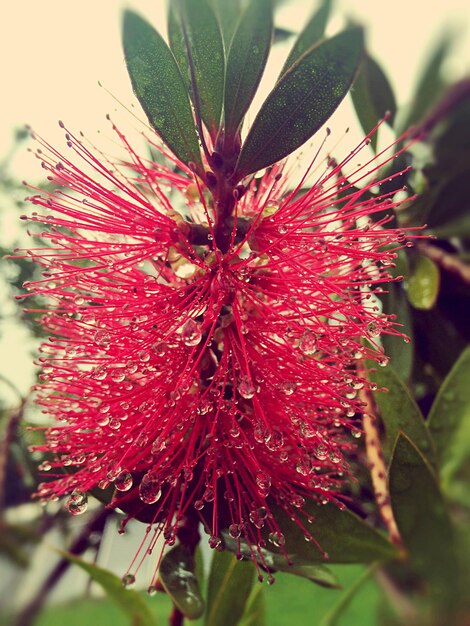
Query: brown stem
(5, 443)
(176, 618)
(81, 543)
(447, 261)
(378, 471)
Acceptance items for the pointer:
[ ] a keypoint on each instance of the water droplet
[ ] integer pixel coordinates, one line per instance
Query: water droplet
(102, 338)
(151, 590)
(123, 481)
(235, 530)
(308, 343)
(198, 505)
(275, 441)
(192, 333)
(215, 542)
(208, 495)
(373, 329)
(246, 388)
(77, 503)
(160, 348)
(277, 539)
(258, 516)
(263, 480)
(320, 451)
(149, 489)
(128, 580)
(287, 387)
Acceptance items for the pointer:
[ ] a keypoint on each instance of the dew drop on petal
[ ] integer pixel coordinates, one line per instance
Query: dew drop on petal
(128, 580)
(192, 333)
(149, 489)
(246, 388)
(277, 539)
(123, 481)
(308, 343)
(258, 516)
(77, 503)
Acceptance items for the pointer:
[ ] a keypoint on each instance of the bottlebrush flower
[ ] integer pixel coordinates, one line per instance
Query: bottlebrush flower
(199, 379)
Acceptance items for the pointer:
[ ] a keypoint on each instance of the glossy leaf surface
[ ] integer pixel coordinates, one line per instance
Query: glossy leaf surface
(177, 574)
(449, 425)
(372, 97)
(399, 411)
(422, 519)
(246, 61)
(159, 87)
(230, 583)
(423, 284)
(128, 600)
(302, 101)
(311, 34)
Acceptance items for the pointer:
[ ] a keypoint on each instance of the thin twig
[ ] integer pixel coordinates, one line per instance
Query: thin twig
(5, 443)
(447, 261)
(378, 470)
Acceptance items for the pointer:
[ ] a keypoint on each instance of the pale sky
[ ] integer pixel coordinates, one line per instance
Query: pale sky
(54, 52)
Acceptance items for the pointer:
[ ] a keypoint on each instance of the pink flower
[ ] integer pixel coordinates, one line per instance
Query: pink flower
(195, 380)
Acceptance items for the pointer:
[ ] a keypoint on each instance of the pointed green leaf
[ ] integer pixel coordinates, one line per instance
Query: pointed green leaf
(204, 49)
(399, 411)
(372, 97)
(159, 86)
(311, 34)
(255, 610)
(246, 61)
(332, 617)
(431, 84)
(230, 583)
(449, 425)
(401, 354)
(131, 602)
(177, 44)
(422, 286)
(298, 566)
(342, 534)
(302, 101)
(177, 574)
(422, 519)
(228, 12)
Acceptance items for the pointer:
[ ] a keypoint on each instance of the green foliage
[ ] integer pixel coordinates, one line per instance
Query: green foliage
(178, 576)
(160, 88)
(449, 424)
(230, 583)
(422, 285)
(201, 40)
(321, 77)
(372, 97)
(249, 50)
(128, 600)
(311, 34)
(424, 522)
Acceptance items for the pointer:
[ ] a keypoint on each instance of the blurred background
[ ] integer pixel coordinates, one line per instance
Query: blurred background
(53, 55)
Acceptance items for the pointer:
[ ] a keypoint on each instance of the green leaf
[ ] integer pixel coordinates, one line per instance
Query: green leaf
(401, 354)
(230, 583)
(159, 87)
(228, 12)
(341, 534)
(246, 61)
(431, 84)
(304, 568)
(448, 205)
(255, 610)
(177, 574)
(302, 100)
(449, 425)
(399, 411)
(331, 618)
(204, 49)
(422, 286)
(311, 34)
(372, 97)
(422, 519)
(128, 600)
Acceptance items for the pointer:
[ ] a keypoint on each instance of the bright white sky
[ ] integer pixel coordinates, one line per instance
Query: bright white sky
(54, 52)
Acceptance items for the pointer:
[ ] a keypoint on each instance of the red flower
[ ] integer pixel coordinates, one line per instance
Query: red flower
(201, 381)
